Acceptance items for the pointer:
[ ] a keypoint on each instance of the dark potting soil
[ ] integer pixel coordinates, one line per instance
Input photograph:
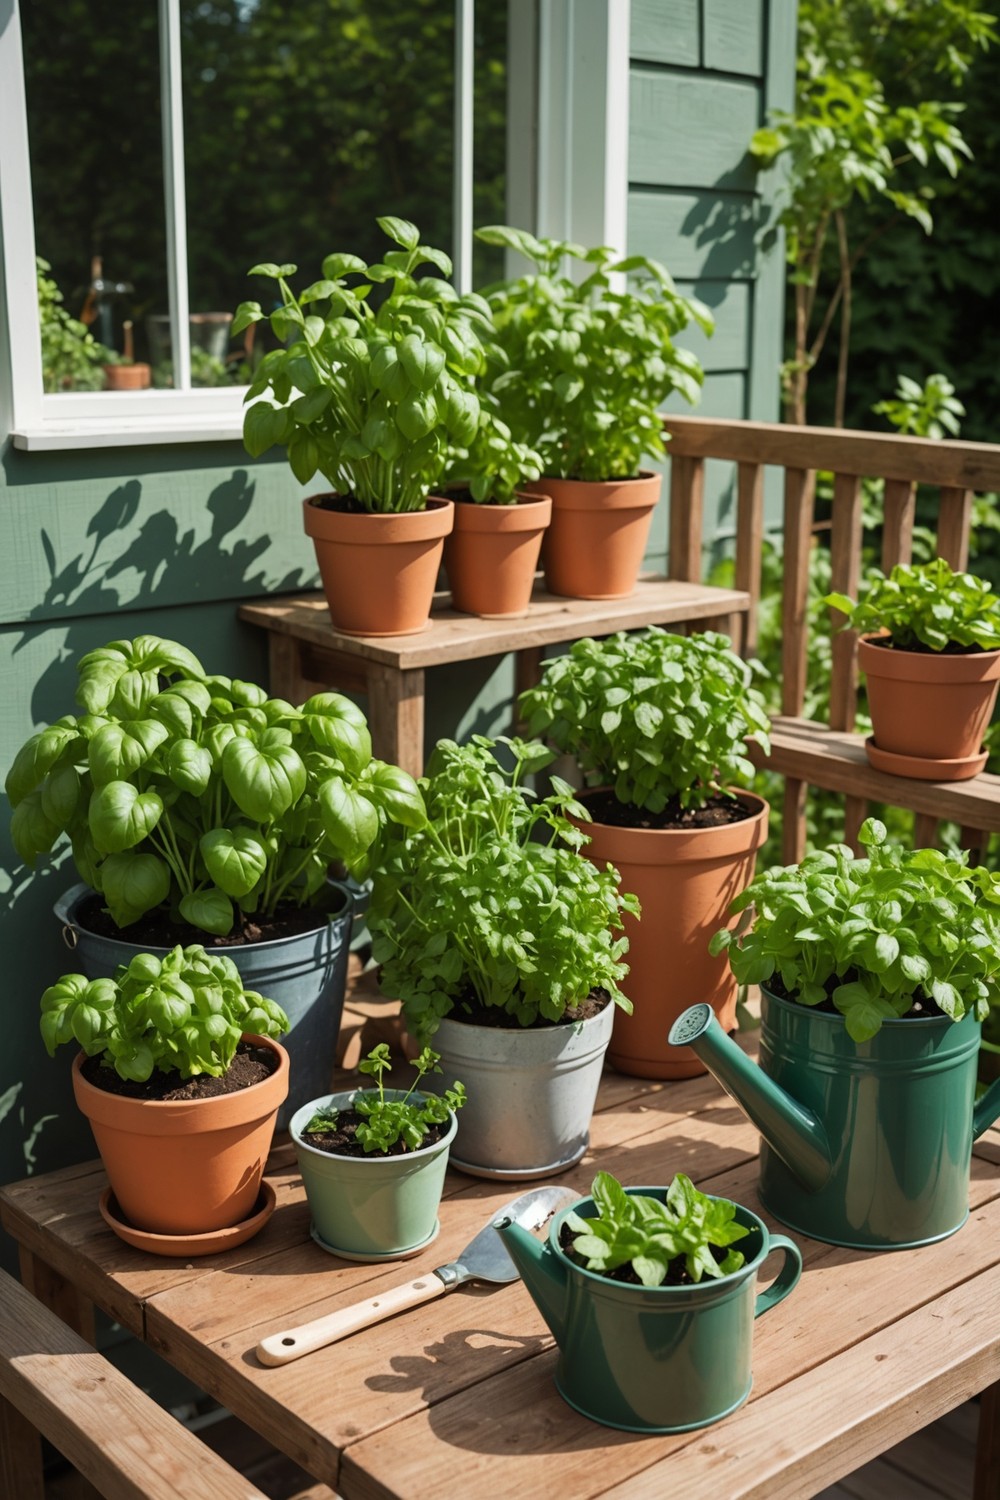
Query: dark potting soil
(341, 1142)
(345, 505)
(156, 930)
(918, 648)
(677, 1272)
(250, 1065)
(922, 1009)
(718, 812)
(470, 1010)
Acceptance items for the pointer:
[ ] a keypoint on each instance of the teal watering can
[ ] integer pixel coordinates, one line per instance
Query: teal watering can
(650, 1359)
(864, 1144)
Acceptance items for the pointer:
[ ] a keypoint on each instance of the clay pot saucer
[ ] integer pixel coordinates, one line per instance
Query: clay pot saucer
(924, 768)
(187, 1245)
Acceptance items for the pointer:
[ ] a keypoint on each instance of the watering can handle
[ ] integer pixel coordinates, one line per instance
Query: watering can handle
(786, 1277)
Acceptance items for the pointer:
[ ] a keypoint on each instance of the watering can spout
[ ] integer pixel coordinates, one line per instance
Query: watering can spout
(792, 1131)
(541, 1272)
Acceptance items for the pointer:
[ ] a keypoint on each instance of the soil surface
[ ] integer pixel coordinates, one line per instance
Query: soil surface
(473, 1013)
(156, 930)
(341, 1142)
(718, 812)
(917, 648)
(677, 1272)
(250, 1065)
(922, 1009)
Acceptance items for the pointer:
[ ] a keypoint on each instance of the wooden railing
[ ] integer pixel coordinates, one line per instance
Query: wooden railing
(955, 469)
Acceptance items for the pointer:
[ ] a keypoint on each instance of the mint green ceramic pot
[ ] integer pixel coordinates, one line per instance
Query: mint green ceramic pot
(371, 1207)
(864, 1144)
(651, 1359)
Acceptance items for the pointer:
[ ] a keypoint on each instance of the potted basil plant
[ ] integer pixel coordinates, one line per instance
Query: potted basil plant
(930, 649)
(588, 365)
(200, 809)
(651, 1295)
(373, 1161)
(375, 399)
(876, 974)
(492, 552)
(658, 725)
(181, 1079)
(502, 942)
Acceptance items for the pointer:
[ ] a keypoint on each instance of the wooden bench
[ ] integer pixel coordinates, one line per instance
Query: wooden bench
(307, 655)
(830, 755)
(54, 1384)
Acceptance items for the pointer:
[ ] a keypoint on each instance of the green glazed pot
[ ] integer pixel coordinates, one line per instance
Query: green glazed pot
(652, 1359)
(864, 1144)
(371, 1208)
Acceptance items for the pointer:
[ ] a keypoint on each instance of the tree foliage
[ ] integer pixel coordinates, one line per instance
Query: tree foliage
(876, 126)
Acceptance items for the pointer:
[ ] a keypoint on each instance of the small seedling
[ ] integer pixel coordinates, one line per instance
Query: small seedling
(386, 1121)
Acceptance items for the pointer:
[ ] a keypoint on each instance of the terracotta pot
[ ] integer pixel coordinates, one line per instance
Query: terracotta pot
(379, 571)
(685, 881)
(185, 1166)
(127, 377)
(594, 546)
(929, 711)
(492, 553)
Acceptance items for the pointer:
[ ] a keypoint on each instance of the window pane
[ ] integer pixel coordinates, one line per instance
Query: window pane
(490, 134)
(93, 91)
(304, 120)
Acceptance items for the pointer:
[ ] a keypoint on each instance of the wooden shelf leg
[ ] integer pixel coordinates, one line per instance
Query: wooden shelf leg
(977, 841)
(986, 1484)
(396, 716)
(794, 832)
(57, 1294)
(924, 830)
(855, 813)
(527, 671)
(285, 668)
(20, 1456)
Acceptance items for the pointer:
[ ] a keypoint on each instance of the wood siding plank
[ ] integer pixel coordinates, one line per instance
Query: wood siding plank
(734, 36)
(666, 31)
(688, 130)
(698, 235)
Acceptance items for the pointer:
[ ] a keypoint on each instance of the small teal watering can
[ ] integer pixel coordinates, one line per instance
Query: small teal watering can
(650, 1359)
(864, 1144)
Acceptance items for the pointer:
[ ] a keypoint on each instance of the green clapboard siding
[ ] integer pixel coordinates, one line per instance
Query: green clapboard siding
(691, 130)
(666, 31)
(711, 235)
(734, 36)
(703, 78)
(729, 303)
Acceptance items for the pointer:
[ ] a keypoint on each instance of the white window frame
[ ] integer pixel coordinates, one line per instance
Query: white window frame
(567, 141)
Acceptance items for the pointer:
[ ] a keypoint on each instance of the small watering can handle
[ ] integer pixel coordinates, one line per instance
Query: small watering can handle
(786, 1278)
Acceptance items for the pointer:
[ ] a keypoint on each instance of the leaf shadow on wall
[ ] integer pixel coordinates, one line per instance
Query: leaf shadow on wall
(158, 567)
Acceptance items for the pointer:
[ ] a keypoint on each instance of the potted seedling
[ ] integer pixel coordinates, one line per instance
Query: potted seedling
(181, 1080)
(199, 809)
(373, 1161)
(500, 940)
(121, 371)
(658, 724)
(375, 399)
(930, 649)
(876, 974)
(651, 1296)
(589, 364)
(492, 551)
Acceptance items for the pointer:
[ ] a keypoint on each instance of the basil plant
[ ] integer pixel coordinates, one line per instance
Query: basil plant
(589, 362)
(925, 607)
(490, 902)
(654, 716)
(184, 1013)
(199, 793)
(376, 399)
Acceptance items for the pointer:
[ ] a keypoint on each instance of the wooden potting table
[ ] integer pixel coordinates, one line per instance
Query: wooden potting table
(307, 655)
(458, 1395)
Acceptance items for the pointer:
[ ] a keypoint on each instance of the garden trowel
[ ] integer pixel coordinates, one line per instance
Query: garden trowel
(483, 1259)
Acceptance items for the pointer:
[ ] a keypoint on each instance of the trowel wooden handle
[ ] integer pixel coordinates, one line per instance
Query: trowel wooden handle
(281, 1348)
